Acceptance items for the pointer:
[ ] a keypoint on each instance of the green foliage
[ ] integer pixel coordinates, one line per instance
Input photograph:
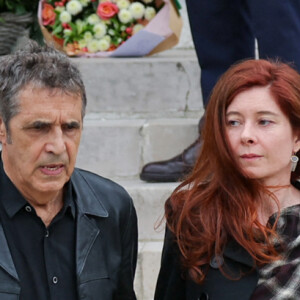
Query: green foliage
(19, 6)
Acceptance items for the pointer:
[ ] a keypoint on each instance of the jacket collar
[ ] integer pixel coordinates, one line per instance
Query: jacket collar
(90, 203)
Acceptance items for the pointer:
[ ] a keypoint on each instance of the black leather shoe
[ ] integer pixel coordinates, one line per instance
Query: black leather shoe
(174, 169)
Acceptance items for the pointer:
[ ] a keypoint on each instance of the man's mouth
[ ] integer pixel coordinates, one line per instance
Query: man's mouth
(54, 169)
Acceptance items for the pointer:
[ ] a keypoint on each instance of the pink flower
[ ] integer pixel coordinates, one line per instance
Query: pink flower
(66, 26)
(59, 3)
(107, 10)
(48, 14)
(128, 30)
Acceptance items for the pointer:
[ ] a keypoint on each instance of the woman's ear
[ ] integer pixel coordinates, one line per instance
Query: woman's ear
(297, 145)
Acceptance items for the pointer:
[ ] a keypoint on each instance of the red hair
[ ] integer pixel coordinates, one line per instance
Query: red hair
(217, 202)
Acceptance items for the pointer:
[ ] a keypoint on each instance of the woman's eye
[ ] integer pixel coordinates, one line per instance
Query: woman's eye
(233, 123)
(264, 122)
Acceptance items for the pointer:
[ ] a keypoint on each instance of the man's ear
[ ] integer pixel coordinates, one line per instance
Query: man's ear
(2, 131)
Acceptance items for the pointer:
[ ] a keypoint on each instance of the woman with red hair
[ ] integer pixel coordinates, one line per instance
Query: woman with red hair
(233, 226)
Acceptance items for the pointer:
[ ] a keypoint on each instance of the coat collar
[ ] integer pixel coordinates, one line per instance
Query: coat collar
(90, 203)
(237, 253)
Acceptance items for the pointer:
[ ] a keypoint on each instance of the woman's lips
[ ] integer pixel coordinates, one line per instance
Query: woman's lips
(250, 156)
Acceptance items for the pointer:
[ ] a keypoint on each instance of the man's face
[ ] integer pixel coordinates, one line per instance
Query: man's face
(40, 154)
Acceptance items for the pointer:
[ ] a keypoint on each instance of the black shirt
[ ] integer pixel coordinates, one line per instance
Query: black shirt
(44, 257)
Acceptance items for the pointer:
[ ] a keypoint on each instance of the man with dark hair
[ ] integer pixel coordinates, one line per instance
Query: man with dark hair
(65, 233)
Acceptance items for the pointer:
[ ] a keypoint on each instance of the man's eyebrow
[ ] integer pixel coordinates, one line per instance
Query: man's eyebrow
(37, 123)
(74, 124)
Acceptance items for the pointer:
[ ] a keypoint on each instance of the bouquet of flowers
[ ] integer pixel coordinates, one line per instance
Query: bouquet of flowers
(97, 27)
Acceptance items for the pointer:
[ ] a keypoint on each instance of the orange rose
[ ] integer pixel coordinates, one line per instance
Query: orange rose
(48, 14)
(107, 10)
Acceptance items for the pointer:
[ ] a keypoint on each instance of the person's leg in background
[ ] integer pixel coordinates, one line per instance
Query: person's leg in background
(276, 25)
(222, 35)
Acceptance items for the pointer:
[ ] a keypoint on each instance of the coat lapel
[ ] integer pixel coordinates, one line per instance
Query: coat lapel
(87, 233)
(6, 261)
(236, 253)
(89, 209)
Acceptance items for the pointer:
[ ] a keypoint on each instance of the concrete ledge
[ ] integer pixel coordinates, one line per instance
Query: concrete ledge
(168, 83)
(119, 148)
(147, 269)
(149, 200)
(165, 138)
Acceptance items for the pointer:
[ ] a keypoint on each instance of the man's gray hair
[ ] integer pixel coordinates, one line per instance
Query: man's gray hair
(39, 66)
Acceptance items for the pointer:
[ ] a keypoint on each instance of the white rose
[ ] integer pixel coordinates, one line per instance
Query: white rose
(108, 38)
(59, 9)
(67, 32)
(150, 13)
(88, 36)
(93, 46)
(65, 17)
(82, 44)
(103, 44)
(85, 3)
(111, 32)
(136, 28)
(123, 4)
(124, 16)
(137, 10)
(79, 24)
(74, 7)
(99, 30)
(93, 19)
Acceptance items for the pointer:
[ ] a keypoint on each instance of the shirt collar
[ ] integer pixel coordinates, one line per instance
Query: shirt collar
(68, 197)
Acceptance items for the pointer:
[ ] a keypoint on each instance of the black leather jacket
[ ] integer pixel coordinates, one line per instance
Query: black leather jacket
(106, 242)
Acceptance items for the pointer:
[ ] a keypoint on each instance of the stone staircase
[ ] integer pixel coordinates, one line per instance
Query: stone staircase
(141, 110)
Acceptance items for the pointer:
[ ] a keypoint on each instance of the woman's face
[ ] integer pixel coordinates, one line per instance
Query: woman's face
(261, 136)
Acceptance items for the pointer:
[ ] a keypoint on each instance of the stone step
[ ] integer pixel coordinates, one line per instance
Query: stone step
(147, 269)
(149, 200)
(163, 85)
(119, 148)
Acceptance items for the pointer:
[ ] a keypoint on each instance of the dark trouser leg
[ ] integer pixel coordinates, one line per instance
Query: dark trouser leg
(222, 35)
(276, 25)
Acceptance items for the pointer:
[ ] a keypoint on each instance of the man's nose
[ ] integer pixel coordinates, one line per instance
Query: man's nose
(56, 142)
